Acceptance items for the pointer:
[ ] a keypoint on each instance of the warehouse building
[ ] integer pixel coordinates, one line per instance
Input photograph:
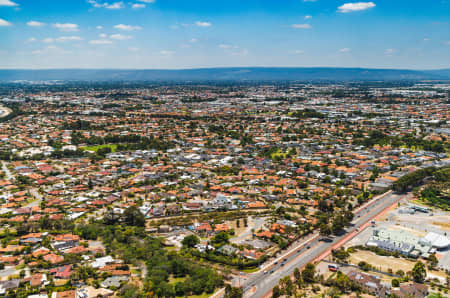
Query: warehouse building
(402, 242)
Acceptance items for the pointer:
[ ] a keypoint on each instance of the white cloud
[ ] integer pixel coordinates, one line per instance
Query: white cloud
(301, 26)
(35, 24)
(48, 40)
(127, 27)
(299, 52)
(120, 37)
(102, 35)
(67, 27)
(30, 40)
(4, 23)
(68, 38)
(132, 49)
(345, 50)
(147, 1)
(357, 6)
(115, 5)
(99, 27)
(244, 52)
(51, 50)
(203, 24)
(37, 52)
(8, 3)
(166, 53)
(100, 42)
(390, 52)
(224, 46)
(138, 6)
(309, 0)
(308, 17)
(193, 40)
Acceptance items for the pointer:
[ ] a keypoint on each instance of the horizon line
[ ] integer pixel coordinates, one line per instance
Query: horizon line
(234, 67)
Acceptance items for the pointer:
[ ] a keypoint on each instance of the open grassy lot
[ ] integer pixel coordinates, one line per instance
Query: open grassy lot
(96, 148)
(386, 263)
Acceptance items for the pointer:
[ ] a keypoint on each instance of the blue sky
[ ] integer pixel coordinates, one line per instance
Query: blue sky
(413, 34)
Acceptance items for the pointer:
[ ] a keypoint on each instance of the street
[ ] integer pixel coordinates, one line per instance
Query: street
(260, 284)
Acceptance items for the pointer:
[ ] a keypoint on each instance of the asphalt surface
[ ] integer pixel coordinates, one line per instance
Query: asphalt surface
(261, 283)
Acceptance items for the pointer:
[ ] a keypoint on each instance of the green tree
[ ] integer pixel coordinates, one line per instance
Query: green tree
(276, 292)
(221, 238)
(342, 282)
(286, 286)
(395, 283)
(190, 241)
(233, 292)
(308, 274)
(341, 254)
(432, 261)
(419, 273)
(325, 230)
(134, 217)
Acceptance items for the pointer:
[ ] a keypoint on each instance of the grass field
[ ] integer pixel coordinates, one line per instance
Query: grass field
(96, 148)
(174, 280)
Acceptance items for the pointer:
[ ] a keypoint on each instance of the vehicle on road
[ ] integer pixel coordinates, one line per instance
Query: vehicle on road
(333, 267)
(325, 239)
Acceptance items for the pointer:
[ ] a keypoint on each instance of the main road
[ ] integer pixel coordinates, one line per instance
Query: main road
(260, 284)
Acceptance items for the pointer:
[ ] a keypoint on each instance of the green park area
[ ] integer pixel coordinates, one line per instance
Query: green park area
(113, 147)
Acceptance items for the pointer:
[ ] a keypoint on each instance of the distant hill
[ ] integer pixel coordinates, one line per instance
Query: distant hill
(227, 74)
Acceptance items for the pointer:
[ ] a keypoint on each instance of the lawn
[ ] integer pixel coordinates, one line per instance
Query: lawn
(251, 270)
(435, 295)
(279, 153)
(174, 280)
(96, 148)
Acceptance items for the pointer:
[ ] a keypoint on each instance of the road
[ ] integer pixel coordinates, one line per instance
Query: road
(260, 284)
(37, 196)
(7, 172)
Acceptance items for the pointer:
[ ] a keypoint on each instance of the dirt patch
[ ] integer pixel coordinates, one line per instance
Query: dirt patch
(233, 225)
(444, 225)
(409, 230)
(380, 262)
(385, 263)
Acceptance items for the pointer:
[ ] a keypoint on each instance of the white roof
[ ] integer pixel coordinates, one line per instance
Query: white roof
(437, 240)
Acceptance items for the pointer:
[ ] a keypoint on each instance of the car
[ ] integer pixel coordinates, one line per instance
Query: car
(271, 271)
(285, 259)
(275, 263)
(265, 271)
(299, 251)
(308, 247)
